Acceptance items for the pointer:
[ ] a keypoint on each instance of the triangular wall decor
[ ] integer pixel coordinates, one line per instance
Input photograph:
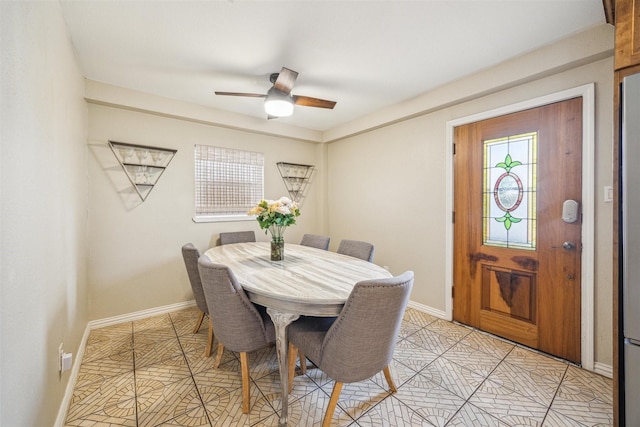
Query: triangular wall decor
(142, 164)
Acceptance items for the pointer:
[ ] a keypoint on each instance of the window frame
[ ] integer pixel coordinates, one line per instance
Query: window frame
(199, 171)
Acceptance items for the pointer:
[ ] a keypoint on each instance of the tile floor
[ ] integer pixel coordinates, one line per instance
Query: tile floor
(153, 372)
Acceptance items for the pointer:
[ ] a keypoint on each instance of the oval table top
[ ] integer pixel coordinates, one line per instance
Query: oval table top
(309, 281)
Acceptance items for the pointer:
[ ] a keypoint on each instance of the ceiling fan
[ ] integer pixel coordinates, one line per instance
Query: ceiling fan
(278, 101)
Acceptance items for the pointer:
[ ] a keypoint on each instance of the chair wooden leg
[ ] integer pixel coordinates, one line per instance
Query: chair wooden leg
(209, 349)
(199, 322)
(335, 394)
(291, 364)
(218, 356)
(244, 368)
(387, 375)
(303, 363)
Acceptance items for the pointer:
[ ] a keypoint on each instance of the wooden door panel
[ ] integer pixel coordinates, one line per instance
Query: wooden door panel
(512, 274)
(509, 293)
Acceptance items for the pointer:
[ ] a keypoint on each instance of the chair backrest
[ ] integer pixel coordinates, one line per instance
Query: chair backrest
(315, 241)
(361, 341)
(190, 255)
(357, 249)
(236, 322)
(237, 237)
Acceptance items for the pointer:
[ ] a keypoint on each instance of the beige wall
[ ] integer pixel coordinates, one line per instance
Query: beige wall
(43, 211)
(387, 186)
(134, 248)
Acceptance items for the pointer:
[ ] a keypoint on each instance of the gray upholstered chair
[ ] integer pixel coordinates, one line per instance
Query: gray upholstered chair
(237, 237)
(360, 342)
(190, 255)
(315, 241)
(357, 249)
(237, 322)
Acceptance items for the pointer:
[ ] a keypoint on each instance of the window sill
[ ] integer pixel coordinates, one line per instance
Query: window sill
(222, 218)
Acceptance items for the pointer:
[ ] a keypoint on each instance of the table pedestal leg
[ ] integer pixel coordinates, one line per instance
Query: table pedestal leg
(281, 321)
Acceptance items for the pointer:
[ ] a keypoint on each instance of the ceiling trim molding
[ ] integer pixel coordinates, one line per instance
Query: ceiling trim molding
(127, 99)
(580, 49)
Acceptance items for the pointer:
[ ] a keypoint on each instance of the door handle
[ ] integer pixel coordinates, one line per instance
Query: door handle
(566, 245)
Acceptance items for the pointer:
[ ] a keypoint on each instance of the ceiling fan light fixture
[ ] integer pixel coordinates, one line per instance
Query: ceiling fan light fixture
(278, 103)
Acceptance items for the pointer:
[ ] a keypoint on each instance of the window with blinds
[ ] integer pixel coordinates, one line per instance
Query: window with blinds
(228, 182)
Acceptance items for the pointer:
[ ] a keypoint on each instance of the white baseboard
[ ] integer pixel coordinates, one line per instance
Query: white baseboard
(429, 310)
(129, 317)
(68, 393)
(101, 323)
(602, 369)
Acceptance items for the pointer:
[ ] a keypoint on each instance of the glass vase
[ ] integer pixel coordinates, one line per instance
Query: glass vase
(277, 249)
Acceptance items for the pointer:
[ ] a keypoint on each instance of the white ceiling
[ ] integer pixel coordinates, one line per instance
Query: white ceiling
(365, 55)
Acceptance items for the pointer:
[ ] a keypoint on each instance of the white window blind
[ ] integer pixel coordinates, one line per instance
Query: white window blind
(228, 182)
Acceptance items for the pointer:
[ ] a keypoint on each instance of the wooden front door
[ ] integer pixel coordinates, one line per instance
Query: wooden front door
(517, 233)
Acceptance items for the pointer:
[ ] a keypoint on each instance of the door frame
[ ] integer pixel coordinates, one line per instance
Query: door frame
(587, 312)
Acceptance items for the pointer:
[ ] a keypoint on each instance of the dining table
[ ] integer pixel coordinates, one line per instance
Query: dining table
(307, 282)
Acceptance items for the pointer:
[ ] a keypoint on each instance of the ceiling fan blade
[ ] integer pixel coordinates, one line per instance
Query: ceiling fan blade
(308, 101)
(285, 81)
(251, 95)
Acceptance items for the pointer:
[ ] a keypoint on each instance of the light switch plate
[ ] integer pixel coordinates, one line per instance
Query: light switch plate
(608, 193)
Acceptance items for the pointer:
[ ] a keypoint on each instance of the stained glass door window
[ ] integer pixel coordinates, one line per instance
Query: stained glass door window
(509, 191)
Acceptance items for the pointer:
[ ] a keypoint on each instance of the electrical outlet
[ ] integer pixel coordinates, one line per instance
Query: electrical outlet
(67, 361)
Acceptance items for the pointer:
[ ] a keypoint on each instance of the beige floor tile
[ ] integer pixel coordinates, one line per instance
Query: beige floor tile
(226, 409)
(407, 329)
(432, 402)
(102, 369)
(309, 411)
(113, 397)
(152, 336)
(413, 355)
(455, 378)
(357, 398)
(399, 373)
(555, 419)
(417, 317)
(391, 412)
(451, 330)
(164, 404)
(477, 361)
(532, 361)
(195, 418)
(153, 322)
(162, 373)
(507, 405)
(185, 320)
(100, 346)
(530, 384)
(166, 351)
(216, 382)
(470, 415)
(269, 386)
(487, 344)
(432, 341)
(153, 372)
(579, 384)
